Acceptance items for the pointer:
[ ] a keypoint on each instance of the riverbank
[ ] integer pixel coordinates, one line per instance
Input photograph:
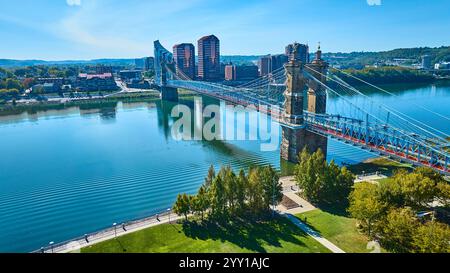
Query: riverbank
(164, 233)
(62, 103)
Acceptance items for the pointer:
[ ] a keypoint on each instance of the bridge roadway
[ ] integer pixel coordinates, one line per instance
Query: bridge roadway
(386, 141)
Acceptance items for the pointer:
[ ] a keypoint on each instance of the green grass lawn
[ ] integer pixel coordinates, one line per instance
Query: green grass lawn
(339, 230)
(383, 165)
(277, 236)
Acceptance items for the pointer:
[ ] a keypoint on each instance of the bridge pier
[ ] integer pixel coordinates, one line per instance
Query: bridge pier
(169, 94)
(295, 134)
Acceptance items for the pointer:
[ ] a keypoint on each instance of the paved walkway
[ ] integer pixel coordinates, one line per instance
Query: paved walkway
(370, 178)
(75, 246)
(291, 191)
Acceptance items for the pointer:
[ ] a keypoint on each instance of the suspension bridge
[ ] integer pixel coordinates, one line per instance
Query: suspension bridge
(296, 97)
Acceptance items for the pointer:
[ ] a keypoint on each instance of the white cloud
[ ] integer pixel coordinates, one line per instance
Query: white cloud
(73, 2)
(374, 2)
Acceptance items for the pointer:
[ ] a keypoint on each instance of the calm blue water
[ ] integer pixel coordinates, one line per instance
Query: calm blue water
(69, 172)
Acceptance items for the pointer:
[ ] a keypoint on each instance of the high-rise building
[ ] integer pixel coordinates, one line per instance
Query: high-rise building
(268, 64)
(209, 68)
(302, 52)
(278, 61)
(184, 57)
(149, 63)
(241, 72)
(265, 65)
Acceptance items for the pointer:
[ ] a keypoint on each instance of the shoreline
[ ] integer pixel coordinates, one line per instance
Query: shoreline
(168, 217)
(19, 108)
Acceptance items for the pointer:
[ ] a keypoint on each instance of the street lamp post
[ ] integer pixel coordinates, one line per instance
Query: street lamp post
(115, 230)
(169, 210)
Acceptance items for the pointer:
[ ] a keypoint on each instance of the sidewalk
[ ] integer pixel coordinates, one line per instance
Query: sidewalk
(75, 246)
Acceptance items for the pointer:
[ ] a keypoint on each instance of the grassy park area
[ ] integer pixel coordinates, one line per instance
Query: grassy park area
(340, 230)
(277, 236)
(381, 164)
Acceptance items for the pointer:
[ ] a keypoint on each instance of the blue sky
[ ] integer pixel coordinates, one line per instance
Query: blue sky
(87, 29)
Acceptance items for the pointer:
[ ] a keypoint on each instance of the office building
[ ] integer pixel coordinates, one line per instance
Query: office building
(241, 72)
(149, 64)
(96, 82)
(184, 58)
(265, 65)
(278, 61)
(128, 75)
(209, 67)
(268, 64)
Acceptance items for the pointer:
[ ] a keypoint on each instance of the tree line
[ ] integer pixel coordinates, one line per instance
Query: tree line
(402, 212)
(383, 75)
(228, 194)
(361, 59)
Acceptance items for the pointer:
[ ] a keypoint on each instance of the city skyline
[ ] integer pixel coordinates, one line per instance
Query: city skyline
(93, 29)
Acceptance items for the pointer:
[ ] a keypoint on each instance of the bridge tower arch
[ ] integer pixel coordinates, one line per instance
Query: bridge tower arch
(295, 136)
(164, 59)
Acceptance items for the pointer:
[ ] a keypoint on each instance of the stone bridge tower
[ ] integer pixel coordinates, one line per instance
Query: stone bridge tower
(167, 93)
(295, 135)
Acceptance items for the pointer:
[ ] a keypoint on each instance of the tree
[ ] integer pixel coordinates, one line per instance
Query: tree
(322, 182)
(391, 193)
(28, 83)
(418, 190)
(255, 191)
(365, 206)
(210, 178)
(309, 174)
(182, 205)
(202, 201)
(433, 237)
(338, 183)
(13, 84)
(194, 204)
(272, 188)
(398, 230)
(241, 191)
(443, 195)
(218, 197)
(230, 182)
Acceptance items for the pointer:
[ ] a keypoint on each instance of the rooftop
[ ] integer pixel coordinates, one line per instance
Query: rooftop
(92, 76)
(208, 37)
